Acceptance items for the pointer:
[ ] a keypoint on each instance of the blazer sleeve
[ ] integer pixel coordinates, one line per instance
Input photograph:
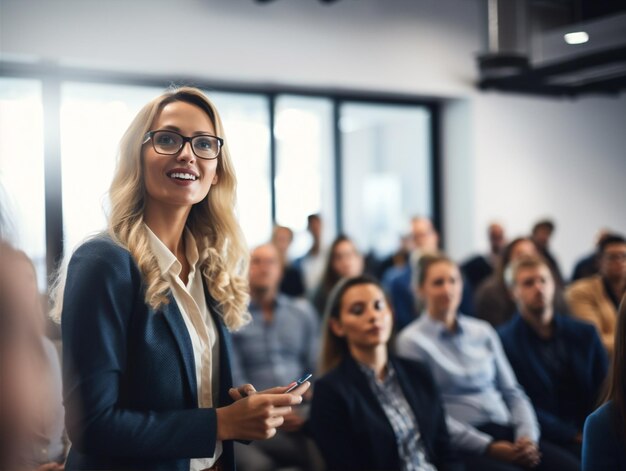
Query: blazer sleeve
(332, 428)
(600, 447)
(103, 288)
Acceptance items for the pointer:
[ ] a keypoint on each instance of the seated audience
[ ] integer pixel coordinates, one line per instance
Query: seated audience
(491, 420)
(590, 264)
(541, 233)
(560, 361)
(344, 261)
(291, 283)
(372, 410)
(595, 299)
(480, 267)
(279, 345)
(604, 438)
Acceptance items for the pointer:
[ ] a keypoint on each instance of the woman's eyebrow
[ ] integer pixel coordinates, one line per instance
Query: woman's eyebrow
(172, 127)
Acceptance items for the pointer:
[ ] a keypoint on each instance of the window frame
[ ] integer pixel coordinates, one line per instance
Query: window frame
(52, 76)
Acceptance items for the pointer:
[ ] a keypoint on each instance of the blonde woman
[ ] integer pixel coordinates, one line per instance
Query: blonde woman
(146, 308)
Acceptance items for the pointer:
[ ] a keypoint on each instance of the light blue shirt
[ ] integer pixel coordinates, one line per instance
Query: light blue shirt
(276, 353)
(476, 381)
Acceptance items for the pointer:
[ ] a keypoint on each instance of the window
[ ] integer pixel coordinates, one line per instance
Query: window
(93, 120)
(246, 124)
(22, 169)
(305, 177)
(386, 171)
(295, 154)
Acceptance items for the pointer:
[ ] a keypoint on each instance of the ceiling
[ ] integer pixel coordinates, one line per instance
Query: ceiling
(540, 61)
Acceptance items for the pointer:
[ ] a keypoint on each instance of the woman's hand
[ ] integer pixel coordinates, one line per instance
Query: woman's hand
(523, 452)
(502, 450)
(528, 452)
(257, 415)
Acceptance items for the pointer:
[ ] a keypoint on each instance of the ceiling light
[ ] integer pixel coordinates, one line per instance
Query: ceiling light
(578, 37)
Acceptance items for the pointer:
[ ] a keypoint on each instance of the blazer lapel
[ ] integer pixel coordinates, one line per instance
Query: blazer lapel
(175, 320)
(415, 400)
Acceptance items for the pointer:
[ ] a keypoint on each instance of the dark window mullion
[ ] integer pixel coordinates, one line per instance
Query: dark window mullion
(51, 99)
(338, 165)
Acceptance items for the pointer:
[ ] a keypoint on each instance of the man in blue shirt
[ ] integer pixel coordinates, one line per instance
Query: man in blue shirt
(560, 361)
(277, 347)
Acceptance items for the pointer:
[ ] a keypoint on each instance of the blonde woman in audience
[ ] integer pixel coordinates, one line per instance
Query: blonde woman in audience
(147, 306)
(371, 410)
(490, 418)
(31, 413)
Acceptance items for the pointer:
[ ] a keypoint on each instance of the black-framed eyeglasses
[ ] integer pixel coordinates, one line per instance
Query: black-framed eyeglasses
(204, 146)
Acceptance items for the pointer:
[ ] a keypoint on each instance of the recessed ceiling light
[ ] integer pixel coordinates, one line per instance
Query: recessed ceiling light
(578, 37)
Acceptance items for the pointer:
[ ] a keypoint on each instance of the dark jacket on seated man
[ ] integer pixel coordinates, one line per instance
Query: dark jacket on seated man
(352, 430)
(562, 376)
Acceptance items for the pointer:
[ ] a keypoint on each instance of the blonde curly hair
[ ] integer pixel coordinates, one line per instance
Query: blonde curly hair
(223, 252)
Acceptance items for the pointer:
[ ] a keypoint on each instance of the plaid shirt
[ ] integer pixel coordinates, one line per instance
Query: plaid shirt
(401, 418)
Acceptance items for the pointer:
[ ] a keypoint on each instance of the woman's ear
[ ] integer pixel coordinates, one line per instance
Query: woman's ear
(215, 179)
(336, 327)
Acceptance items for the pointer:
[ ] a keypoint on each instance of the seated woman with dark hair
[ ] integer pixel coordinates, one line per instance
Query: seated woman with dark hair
(604, 435)
(371, 410)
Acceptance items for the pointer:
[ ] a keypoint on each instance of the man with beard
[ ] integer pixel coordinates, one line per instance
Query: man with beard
(560, 361)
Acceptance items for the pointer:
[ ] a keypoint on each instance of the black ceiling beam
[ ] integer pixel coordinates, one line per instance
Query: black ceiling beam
(535, 80)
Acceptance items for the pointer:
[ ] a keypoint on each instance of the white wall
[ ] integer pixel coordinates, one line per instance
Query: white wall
(508, 157)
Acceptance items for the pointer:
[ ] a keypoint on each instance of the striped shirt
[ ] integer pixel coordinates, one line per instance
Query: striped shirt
(401, 418)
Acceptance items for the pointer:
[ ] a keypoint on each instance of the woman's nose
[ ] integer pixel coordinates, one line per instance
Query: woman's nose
(186, 153)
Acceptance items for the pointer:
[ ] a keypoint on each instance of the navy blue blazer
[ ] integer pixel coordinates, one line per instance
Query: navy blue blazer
(603, 448)
(350, 426)
(129, 374)
(588, 361)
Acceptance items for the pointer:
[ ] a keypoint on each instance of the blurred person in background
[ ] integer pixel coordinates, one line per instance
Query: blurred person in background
(391, 265)
(559, 360)
(604, 435)
(491, 420)
(480, 267)
(343, 261)
(311, 265)
(406, 302)
(590, 264)
(147, 307)
(372, 410)
(31, 409)
(278, 346)
(541, 234)
(595, 299)
(291, 283)
(493, 301)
